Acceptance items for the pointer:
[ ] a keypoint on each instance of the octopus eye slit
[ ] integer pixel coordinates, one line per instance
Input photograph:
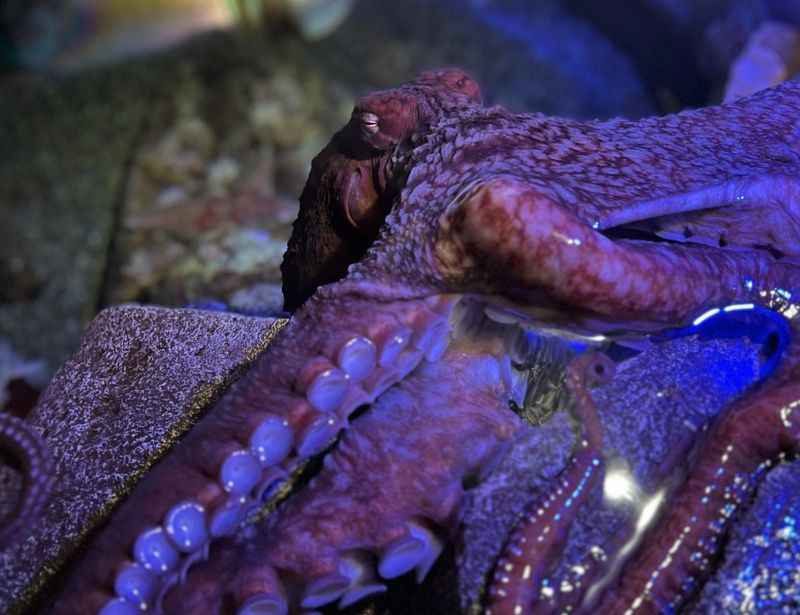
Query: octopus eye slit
(370, 122)
(722, 241)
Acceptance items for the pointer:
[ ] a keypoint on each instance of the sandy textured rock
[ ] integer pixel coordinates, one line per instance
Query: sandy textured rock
(760, 571)
(141, 377)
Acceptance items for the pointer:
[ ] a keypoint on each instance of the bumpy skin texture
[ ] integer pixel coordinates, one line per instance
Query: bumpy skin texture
(423, 197)
(26, 449)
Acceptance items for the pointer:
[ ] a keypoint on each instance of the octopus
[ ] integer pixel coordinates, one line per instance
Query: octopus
(437, 240)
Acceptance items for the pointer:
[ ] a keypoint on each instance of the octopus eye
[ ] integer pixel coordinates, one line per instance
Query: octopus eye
(370, 123)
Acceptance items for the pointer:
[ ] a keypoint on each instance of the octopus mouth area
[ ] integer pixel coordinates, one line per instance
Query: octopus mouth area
(514, 352)
(531, 356)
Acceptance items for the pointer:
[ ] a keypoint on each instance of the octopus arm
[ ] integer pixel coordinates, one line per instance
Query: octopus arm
(380, 507)
(761, 212)
(539, 536)
(509, 235)
(26, 446)
(753, 434)
(287, 408)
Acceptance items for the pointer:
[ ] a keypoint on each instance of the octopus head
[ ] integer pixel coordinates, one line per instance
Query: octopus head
(355, 180)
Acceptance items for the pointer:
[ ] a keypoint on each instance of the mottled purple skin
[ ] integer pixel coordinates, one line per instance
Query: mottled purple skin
(426, 195)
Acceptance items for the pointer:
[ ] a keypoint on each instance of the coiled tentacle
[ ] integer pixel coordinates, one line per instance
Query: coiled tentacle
(29, 451)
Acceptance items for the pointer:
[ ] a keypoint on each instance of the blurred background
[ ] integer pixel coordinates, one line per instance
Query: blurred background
(153, 151)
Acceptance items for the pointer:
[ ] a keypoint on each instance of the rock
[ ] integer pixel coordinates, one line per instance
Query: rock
(259, 299)
(759, 571)
(180, 156)
(222, 173)
(141, 377)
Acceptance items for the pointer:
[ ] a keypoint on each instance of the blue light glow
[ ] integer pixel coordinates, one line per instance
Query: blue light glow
(705, 316)
(760, 325)
(735, 307)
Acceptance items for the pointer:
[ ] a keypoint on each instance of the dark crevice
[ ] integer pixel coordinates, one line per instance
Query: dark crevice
(771, 346)
(111, 260)
(624, 232)
(619, 233)
(771, 250)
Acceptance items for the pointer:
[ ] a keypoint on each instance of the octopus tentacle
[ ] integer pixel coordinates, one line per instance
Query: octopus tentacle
(427, 192)
(28, 448)
(752, 435)
(365, 519)
(524, 239)
(290, 406)
(539, 534)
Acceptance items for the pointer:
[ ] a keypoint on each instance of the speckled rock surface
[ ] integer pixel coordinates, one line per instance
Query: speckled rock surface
(141, 377)
(761, 569)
